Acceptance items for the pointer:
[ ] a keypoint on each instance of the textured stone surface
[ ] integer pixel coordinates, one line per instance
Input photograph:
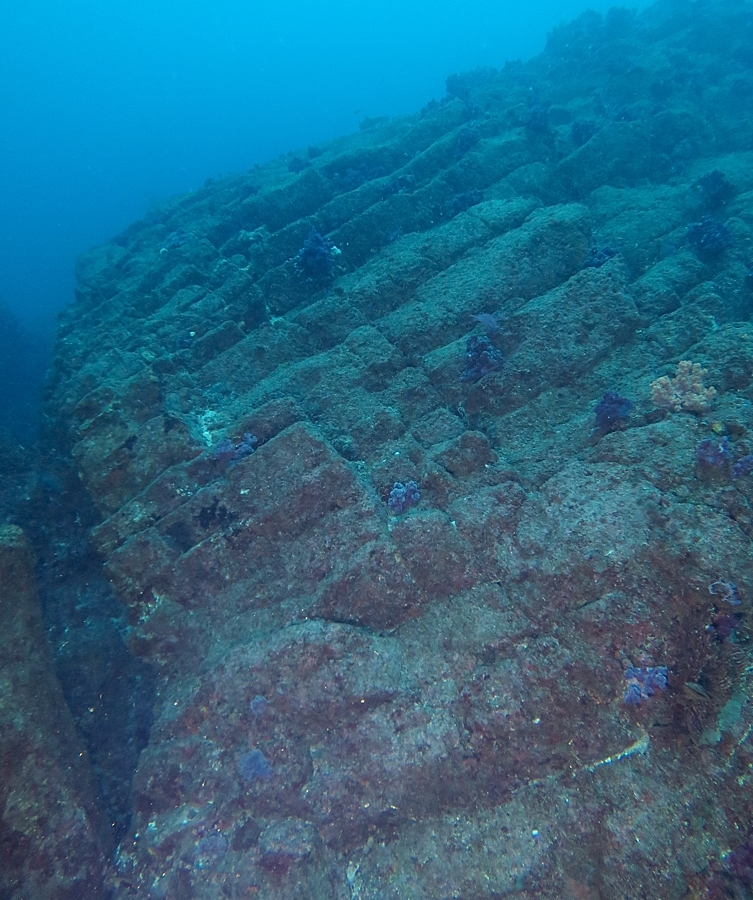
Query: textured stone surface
(358, 704)
(53, 841)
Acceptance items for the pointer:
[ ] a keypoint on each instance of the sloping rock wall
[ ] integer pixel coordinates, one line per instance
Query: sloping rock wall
(54, 843)
(359, 702)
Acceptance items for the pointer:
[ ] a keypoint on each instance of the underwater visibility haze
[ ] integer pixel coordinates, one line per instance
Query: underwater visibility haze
(108, 106)
(386, 531)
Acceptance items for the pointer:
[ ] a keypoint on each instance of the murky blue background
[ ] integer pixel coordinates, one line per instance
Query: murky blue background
(108, 106)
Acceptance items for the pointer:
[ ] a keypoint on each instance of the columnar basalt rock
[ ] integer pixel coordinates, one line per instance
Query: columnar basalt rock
(54, 842)
(356, 702)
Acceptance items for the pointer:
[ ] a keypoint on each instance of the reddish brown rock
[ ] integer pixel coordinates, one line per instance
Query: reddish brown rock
(53, 840)
(367, 702)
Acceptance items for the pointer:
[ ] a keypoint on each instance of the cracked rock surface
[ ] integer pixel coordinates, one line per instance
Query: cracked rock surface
(352, 703)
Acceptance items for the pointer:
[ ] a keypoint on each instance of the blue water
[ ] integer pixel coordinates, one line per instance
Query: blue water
(109, 106)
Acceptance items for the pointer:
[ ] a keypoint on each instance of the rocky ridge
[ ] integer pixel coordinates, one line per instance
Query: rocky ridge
(358, 703)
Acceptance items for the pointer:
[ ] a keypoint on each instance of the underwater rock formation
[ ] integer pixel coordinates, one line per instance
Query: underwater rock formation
(357, 704)
(53, 839)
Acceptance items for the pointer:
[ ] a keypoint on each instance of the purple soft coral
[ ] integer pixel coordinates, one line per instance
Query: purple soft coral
(612, 411)
(713, 454)
(643, 683)
(229, 453)
(481, 358)
(744, 466)
(403, 496)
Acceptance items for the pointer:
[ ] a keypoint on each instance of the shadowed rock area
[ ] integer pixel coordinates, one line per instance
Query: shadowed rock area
(535, 680)
(53, 841)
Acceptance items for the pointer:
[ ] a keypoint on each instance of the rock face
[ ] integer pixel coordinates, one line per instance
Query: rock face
(53, 842)
(463, 699)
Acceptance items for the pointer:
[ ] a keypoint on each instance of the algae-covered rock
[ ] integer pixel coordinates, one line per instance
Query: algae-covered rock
(436, 698)
(54, 840)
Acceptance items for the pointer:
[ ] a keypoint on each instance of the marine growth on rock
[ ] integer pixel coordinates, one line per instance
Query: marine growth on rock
(378, 641)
